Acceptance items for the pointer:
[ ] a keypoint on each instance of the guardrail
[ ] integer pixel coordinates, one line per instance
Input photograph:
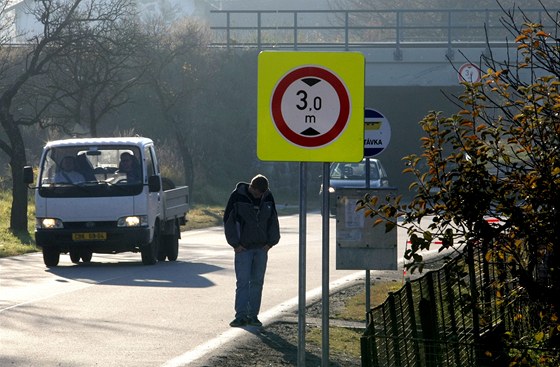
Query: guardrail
(352, 29)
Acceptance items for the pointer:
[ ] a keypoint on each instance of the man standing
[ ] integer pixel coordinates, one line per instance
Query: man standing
(251, 228)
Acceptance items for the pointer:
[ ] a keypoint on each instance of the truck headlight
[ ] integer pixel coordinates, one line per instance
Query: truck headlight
(133, 221)
(48, 223)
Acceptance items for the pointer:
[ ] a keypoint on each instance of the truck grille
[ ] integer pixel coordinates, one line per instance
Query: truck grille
(89, 225)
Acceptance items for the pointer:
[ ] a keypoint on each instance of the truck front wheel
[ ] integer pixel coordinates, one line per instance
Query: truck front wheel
(75, 256)
(86, 255)
(51, 257)
(171, 244)
(150, 252)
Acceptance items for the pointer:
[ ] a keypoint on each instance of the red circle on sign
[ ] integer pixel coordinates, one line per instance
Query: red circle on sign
(469, 73)
(341, 121)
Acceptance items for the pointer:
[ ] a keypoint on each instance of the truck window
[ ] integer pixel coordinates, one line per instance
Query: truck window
(149, 161)
(99, 171)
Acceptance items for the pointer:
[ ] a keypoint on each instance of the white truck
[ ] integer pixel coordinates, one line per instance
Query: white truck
(109, 199)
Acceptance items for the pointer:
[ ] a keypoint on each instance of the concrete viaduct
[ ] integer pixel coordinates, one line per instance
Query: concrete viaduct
(401, 47)
(413, 57)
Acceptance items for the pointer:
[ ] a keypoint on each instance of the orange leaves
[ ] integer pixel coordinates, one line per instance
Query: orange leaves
(373, 200)
(521, 37)
(533, 37)
(481, 128)
(542, 34)
(498, 73)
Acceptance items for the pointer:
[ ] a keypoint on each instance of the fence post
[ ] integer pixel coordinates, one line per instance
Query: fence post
(346, 30)
(397, 55)
(228, 23)
(451, 307)
(368, 344)
(394, 329)
(295, 30)
(429, 322)
(414, 327)
(450, 53)
(259, 30)
(486, 288)
(474, 300)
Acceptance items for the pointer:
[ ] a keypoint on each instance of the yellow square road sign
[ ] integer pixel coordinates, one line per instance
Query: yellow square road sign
(310, 106)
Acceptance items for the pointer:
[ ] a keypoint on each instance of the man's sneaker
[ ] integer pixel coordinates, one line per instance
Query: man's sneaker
(254, 321)
(238, 322)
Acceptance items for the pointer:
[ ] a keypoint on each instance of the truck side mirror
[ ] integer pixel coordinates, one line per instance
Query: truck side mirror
(154, 183)
(28, 175)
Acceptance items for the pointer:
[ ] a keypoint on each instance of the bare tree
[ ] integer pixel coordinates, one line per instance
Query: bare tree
(177, 55)
(64, 27)
(90, 82)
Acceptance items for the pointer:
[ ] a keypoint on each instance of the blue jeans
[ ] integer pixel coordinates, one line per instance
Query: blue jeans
(250, 267)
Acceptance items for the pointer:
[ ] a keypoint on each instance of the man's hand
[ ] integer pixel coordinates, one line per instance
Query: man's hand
(267, 247)
(239, 249)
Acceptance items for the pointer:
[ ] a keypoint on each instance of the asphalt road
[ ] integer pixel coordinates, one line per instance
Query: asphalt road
(117, 312)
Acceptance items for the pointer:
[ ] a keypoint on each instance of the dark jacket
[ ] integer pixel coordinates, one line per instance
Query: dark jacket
(249, 223)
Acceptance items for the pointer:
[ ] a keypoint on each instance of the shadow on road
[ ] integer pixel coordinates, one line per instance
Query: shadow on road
(177, 274)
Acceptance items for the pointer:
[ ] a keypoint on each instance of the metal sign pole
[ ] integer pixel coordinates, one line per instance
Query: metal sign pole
(368, 293)
(368, 274)
(325, 289)
(302, 262)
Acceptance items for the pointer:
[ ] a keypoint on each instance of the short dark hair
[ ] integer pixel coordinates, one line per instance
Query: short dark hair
(259, 182)
(69, 159)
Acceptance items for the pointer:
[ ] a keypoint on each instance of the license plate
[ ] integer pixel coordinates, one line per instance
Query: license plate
(89, 236)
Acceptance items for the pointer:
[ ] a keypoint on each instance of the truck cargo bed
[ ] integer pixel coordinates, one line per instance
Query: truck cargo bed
(176, 202)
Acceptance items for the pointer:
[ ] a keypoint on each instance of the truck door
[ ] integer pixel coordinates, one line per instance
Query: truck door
(154, 198)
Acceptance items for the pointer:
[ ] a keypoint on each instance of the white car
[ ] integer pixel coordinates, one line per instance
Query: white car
(349, 175)
(353, 175)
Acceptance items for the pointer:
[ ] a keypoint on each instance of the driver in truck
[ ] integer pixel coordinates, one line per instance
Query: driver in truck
(67, 172)
(129, 165)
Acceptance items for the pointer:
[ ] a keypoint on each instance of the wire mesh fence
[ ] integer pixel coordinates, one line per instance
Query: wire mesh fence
(451, 317)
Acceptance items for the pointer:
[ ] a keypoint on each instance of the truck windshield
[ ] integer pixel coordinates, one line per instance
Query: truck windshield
(97, 170)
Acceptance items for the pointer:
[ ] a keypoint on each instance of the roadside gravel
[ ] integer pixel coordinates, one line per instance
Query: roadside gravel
(276, 343)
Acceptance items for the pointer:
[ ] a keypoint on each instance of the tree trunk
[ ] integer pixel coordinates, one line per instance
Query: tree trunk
(186, 157)
(16, 152)
(18, 215)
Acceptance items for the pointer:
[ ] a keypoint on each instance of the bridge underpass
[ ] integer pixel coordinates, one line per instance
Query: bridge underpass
(413, 57)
